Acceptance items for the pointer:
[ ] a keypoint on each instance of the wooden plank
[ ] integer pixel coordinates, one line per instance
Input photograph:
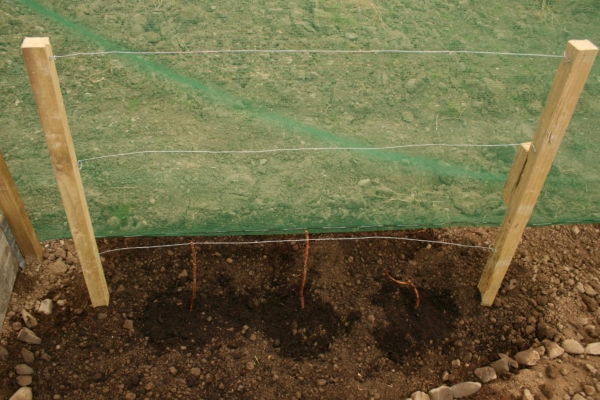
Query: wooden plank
(515, 171)
(9, 266)
(16, 215)
(41, 69)
(566, 88)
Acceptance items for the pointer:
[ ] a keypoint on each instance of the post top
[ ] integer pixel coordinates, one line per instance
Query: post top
(583, 45)
(33, 42)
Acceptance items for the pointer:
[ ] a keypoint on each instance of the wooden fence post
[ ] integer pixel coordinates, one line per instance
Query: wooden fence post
(16, 215)
(41, 69)
(566, 88)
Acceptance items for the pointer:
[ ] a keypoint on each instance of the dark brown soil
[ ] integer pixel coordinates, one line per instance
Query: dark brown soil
(359, 335)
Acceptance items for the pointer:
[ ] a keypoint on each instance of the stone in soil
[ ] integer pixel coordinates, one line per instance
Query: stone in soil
(24, 380)
(134, 379)
(321, 382)
(29, 319)
(440, 393)
(23, 393)
(589, 390)
(503, 364)
(486, 374)
(419, 396)
(46, 307)
(196, 371)
(130, 396)
(547, 390)
(545, 331)
(553, 349)
(27, 336)
(250, 365)
(590, 303)
(24, 369)
(3, 354)
(27, 355)
(551, 371)
(527, 358)
(128, 324)
(578, 397)
(593, 349)
(527, 395)
(572, 346)
(465, 389)
(58, 267)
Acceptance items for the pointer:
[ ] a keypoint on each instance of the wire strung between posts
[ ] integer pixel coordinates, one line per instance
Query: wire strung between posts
(133, 153)
(490, 248)
(314, 51)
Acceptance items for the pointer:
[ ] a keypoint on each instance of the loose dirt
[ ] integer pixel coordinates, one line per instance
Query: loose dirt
(359, 335)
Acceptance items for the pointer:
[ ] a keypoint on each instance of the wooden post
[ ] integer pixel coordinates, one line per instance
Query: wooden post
(514, 176)
(567, 86)
(16, 215)
(39, 62)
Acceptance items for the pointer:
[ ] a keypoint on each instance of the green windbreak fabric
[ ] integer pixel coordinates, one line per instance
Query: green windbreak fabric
(373, 140)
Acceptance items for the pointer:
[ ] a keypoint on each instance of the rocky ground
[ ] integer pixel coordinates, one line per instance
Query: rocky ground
(359, 335)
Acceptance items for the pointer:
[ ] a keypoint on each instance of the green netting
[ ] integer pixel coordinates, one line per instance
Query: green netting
(229, 102)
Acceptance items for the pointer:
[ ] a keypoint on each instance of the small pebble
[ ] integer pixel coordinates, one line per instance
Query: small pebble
(527, 358)
(465, 389)
(440, 393)
(23, 393)
(3, 353)
(419, 396)
(24, 380)
(24, 369)
(486, 374)
(27, 355)
(553, 349)
(593, 349)
(250, 365)
(572, 346)
(46, 307)
(589, 390)
(547, 390)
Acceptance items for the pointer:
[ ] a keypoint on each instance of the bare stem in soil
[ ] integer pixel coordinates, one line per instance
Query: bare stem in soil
(407, 283)
(306, 248)
(193, 276)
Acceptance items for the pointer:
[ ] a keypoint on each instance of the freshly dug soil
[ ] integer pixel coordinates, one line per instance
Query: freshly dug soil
(359, 336)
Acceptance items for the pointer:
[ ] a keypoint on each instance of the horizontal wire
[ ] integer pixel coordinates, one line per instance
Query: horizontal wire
(308, 51)
(80, 162)
(490, 248)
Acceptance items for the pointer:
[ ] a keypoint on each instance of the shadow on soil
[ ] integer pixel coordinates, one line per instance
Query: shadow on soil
(220, 316)
(408, 330)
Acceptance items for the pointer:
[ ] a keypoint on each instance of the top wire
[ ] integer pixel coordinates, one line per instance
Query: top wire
(306, 51)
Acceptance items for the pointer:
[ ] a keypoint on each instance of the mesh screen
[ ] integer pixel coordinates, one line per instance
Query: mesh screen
(230, 102)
